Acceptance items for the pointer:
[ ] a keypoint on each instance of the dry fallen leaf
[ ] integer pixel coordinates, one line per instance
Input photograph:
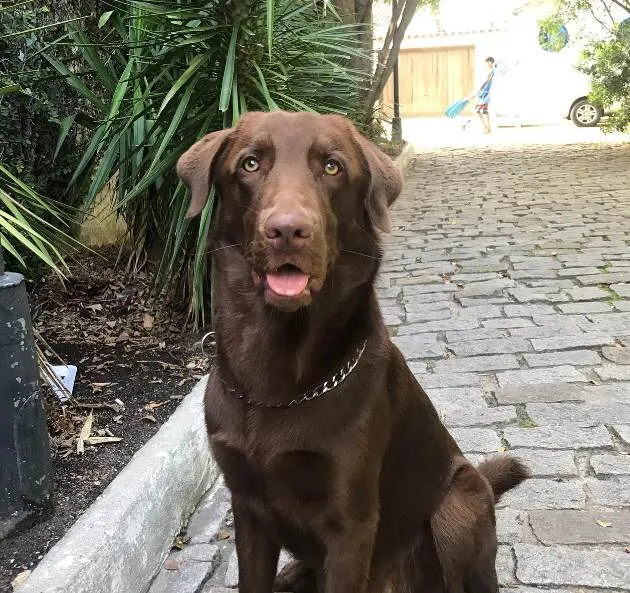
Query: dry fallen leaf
(86, 430)
(603, 523)
(147, 321)
(19, 580)
(153, 405)
(102, 440)
(149, 418)
(223, 535)
(98, 387)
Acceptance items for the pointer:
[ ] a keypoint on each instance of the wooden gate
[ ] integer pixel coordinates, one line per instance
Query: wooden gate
(430, 80)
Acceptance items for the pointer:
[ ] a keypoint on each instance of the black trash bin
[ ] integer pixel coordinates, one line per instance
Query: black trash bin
(25, 468)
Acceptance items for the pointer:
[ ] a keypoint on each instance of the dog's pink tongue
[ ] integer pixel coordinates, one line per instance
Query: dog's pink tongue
(288, 282)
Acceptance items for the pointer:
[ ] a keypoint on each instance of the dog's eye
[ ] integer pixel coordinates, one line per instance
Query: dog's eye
(332, 167)
(251, 164)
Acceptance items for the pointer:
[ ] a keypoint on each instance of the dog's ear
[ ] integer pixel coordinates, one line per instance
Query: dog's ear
(194, 168)
(386, 183)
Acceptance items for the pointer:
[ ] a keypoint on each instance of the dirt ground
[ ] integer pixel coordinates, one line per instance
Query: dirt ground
(134, 366)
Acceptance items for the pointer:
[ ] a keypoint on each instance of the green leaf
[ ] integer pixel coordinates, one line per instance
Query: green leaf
(271, 4)
(265, 90)
(75, 82)
(104, 18)
(183, 79)
(228, 72)
(64, 128)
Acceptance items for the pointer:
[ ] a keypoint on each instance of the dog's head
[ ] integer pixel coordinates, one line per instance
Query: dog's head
(298, 190)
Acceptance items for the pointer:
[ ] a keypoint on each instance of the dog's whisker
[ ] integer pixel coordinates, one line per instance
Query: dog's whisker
(208, 251)
(359, 253)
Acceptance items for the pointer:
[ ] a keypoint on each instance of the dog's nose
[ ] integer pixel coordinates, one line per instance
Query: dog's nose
(288, 229)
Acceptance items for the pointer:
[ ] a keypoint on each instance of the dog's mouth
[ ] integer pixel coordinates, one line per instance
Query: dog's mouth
(288, 281)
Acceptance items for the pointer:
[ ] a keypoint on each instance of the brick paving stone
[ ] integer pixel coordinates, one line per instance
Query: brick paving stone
(487, 288)
(614, 278)
(429, 298)
(546, 463)
(558, 437)
(477, 364)
(435, 380)
(623, 290)
(478, 334)
(492, 346)
(540, 393)
(542, 493)
(510, 525)
(614, 373)
(581, 526)
(585, 307)
(442, 325)
(507, 323)
(528, 310)
(476, 440)
(611, 465)
(589, 293)
(419, 346)
(417, 314)
(565, 373)
(622, 306)
(623, 432)
(612, 492)
(617, 354)
(566, 342)
(567, 566)
(570, 329)
(505, 565)
(409, 291)
(575, 357)
(583, 414)
(573, 272)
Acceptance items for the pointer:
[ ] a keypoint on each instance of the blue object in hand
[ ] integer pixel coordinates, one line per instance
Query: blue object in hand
(456, 108)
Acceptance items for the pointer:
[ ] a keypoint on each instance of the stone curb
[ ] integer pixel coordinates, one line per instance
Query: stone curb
(119, 543)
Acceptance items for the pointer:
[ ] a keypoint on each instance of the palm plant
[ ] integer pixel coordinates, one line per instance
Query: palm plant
(32, 224)
(162, 73)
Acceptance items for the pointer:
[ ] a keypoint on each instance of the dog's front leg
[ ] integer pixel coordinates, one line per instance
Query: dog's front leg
(349, 558)
(257, 553)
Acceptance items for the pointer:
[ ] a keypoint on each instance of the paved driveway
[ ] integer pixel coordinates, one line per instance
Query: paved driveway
(507, 286)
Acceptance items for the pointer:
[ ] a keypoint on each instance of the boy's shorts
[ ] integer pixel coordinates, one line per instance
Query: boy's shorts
(481, 108)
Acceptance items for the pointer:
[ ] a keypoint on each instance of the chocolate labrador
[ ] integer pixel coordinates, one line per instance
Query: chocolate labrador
(330, 447)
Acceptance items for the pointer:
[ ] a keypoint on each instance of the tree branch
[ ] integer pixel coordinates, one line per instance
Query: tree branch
(624, 4)
(380, 80)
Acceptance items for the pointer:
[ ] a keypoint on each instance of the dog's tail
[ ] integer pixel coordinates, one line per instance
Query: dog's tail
(503, 472)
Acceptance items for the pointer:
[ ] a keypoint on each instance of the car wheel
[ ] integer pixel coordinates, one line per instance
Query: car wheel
(585, 114)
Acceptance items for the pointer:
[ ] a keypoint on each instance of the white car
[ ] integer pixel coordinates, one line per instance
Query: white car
(536, 94)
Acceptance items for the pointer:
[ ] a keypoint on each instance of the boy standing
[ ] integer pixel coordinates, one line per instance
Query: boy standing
(483, 97)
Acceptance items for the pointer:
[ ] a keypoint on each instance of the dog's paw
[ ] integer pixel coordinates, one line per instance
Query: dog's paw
(296, 577)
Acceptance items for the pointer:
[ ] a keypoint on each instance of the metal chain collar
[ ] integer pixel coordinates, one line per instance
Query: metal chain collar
(339, 377)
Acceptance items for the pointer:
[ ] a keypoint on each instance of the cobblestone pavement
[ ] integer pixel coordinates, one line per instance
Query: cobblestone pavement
(507, 286)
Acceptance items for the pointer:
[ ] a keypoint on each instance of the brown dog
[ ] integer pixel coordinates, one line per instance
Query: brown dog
(328, 444)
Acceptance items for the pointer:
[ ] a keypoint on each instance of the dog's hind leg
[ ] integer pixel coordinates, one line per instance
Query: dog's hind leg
(465, 534)
(296, 577)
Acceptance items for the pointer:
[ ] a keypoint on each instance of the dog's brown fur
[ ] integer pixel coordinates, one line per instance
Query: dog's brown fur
(364, 485)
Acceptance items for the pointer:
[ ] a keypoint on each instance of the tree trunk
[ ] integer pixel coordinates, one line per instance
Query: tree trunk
(389, 54)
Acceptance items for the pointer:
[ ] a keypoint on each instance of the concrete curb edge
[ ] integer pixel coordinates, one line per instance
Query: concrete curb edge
(121, 540)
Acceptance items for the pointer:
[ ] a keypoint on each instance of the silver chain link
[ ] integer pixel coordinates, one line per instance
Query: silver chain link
(337, 379)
